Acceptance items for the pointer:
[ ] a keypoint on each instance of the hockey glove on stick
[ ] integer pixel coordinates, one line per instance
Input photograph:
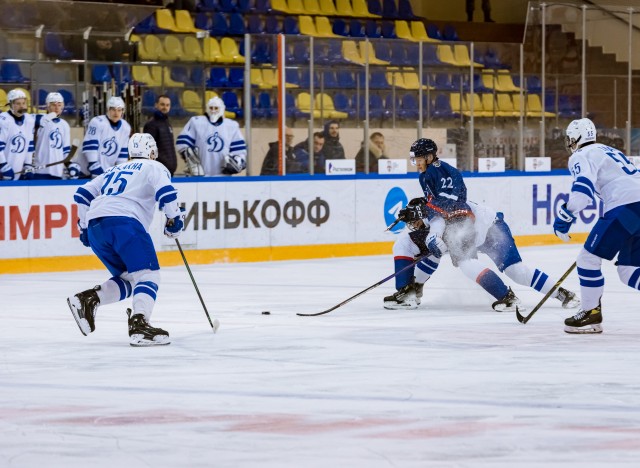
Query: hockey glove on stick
(413, 211)
(174, 226)
(233, 164)
(562, 224)
(95, 169)
(27, 172)
(436, 246)
(7, 171)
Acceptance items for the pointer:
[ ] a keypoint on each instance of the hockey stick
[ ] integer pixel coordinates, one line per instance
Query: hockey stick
(216, 323)
(373, 286)
(523, 319)
(72, 153)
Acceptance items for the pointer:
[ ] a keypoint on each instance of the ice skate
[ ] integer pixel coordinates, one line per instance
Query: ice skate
(143, 334)
(83, 307)
(585, 321)
(508, 303)
(406, 298)
(569, 299)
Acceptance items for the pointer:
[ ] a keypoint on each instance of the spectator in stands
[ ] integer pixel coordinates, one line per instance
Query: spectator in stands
(159, 127)
(486, 9)
(301, 152)
(293, 165)
(376, 152)
(332, 149)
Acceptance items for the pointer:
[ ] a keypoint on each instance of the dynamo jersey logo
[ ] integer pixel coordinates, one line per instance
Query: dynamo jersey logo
(18, 143)
(110, 147)
(396, 200)
(215, 143)
(55, 139)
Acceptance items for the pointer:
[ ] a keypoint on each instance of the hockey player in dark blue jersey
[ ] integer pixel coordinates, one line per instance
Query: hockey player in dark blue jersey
(450, 228)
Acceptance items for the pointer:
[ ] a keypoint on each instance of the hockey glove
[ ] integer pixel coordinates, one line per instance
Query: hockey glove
(27, 172)
(7, 171)
(95, 169)
(193, 162)
(419, 237)
(414, 211)
(233, 164)
(174, 226)
(84, 237)
(436, 246)
(562, 224)
(74, 171)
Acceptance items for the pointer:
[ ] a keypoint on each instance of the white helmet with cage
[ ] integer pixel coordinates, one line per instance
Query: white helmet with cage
(579, 132)
(215, 109)
(142, 145)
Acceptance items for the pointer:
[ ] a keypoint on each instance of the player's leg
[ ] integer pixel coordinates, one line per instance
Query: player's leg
(404, 253)
(629, 262)
(501, 247)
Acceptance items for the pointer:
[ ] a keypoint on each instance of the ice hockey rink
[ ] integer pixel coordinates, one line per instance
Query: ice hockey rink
(451, 384)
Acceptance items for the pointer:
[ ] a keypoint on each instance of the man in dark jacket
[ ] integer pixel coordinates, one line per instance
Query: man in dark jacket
(376, 151)
(270, 163)
(332, 148)
(160, 129)
(301, 152)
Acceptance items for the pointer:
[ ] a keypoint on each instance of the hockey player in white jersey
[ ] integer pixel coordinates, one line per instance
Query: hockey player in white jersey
(604, 172)
(115, 210)
(16, 138)
(211, 144)
(53, 139)
(104, 144)
(492, 237)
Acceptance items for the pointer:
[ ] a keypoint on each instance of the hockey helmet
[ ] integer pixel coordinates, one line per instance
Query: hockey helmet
(422, 148)
(115, 102)
(15, 94)
(54, 97)
(215, 109)
(142, 145)
(579, 133)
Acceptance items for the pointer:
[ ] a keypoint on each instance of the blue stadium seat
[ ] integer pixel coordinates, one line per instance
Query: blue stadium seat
(534, 85)
(42, 98)
(217, 78)
(243, 6)
(122, 73)
(236, 25)
(10, 73)
(227, 6)
(69, 102)
(145, 26)
(383, 51)
(388, 30)
(408, 109)
(300, 53)
(261, 53)
(262, 6)
(342, 104)
(377, 109)
(219, 25)
(430, 55)
(236, 78)
(148, 101)
(291, 76)
(375, 7)
(405, 11)
(208, 5)
(290, 25)
(442, 107)
(53, 47)
(180, 74)
(449, 33)
(389, 9)
(378, 80)
(434, 32)
(399, 55)
(197, 77)
(232, 104)
(101, 74)
(291, 109)
(492, 60)
(176, 105)
(272, 25)
(372, 28)
(345, 79)
(329, 79)
(356, 28)
(255, 25)
(266, 106)
(340, 27)
(203, 21)
(256, 112)
(442, 82)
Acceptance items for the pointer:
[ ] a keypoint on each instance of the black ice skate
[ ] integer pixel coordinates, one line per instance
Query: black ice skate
(143, 334)
(585, 321)
(406, 298)
(508, 303)
(83, 307)
(569, 300)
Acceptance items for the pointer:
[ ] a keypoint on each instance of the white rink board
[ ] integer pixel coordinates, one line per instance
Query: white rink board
(39, 220)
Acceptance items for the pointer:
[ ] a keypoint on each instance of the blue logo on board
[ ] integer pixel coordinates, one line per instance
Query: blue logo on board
(396, 200)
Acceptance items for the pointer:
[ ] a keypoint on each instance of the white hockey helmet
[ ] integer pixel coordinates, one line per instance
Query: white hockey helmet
(54, 97)
(15, 94)
(215, 109)
(579, 132)
(115, 102)
(142, 145)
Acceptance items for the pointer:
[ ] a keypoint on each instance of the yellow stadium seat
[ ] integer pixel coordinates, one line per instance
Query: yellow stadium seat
(303, 102)
(534, 107)
(163, 76)
(327, 108)
(270, 78)
(351, 53)
(142, 52)
(361, 9)
(373, 60)
(165, 20)
(403, 31)
(3, 98)
(256, 79)
(396, 79)
(478, 108)
(505, 107)
(323, 27)
(445, 54)
(280, 5)
(489, 104)
(343, 8)
(173, 48)
(458, 104)
(229, 49)
(191, 102)
(461, 55)
(212, 52)
(312, 7)
(153, 48)
(489, 80)
(192, 49)
(140, 73)
(419, 32)
(296, 7)
(517, 104)
(412, 81)
(307, 26)
(505, 82)
(184, 22)
(328, 8)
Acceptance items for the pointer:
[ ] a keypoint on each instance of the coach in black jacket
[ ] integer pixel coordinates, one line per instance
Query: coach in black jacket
(160, 129)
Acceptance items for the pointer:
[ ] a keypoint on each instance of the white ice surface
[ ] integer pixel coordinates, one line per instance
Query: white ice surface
(451, 384)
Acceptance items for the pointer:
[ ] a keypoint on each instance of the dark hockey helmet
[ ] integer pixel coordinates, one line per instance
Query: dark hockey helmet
(422, 148)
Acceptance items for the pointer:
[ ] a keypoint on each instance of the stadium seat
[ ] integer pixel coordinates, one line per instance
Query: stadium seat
(236, 78)
(69, 102)
(262, 6)
(405, 11)
(197, 77)
(236, 25)
(229, 49)
(378, 80)
(208, 5)
(101, 74)
(180, 74)
(142, 76)
(367, 47)
(219, 25)
(173, 48)
(534, 85)
(433, 32)
(403, 31)
(430, 55)
(244, 6)
(388, 30)
(343, 8)
(505, 82)
(489, 105)
(303, 102)
(255, 25)
(389, 9)
(212, 53)
(53, 47)
(227, 6)
(351, 53)
(375, 7)
(272, 25)
(372, 29)
(145, 26)
(307, 26)
(409, 107)
(505, 107)
(412, 81)
(232, 103)
(384, 52)
(345, 79)
(122, 73)
(290, 25)
(3, 98)
(192, 49)
(176, 104)
(163, 75)
(291, 108)
(398, 53)
(150, 48)
(328, 8)
(419, 32)
(395, 79)
(328, 79)
(217, 78)
(299, 53)
(449, 33)
(266, 106)
(442, 108)
(42, 98)
(445, 55)
(10, 72)
(165, 20)
(184, 22)
(323, 27)
(342, 104)
(203, 21)
(361, 10)
(356, 28)
(340, 27)
(442, 82)
(261, 52)
(327, 108)
(312, 7)
(148, 101)
(296, 7)
(257, 80)
(280, 6)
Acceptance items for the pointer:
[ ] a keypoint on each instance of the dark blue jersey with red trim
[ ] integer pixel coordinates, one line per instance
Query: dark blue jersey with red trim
(445, 190)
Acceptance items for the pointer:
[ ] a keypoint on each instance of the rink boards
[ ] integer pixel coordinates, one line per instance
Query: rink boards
(270, 218)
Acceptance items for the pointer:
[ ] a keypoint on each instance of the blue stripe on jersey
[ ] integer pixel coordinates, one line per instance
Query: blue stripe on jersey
(634, 281)
(124, 153)
(90, 145)
(186, 140)
(166, 194)
(146, 287)
(3, 145)
(590, 278)
(83, 196)
(583, 185)
(66, 149)
(124, 286)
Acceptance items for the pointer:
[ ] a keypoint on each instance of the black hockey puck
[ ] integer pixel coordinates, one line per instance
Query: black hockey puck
(266, 312)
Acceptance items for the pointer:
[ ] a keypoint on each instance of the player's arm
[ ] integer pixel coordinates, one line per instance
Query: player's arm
(90, 148)
(236, 161)
(167, 198)
(83, 197)
(6, 171)
(582, 195)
